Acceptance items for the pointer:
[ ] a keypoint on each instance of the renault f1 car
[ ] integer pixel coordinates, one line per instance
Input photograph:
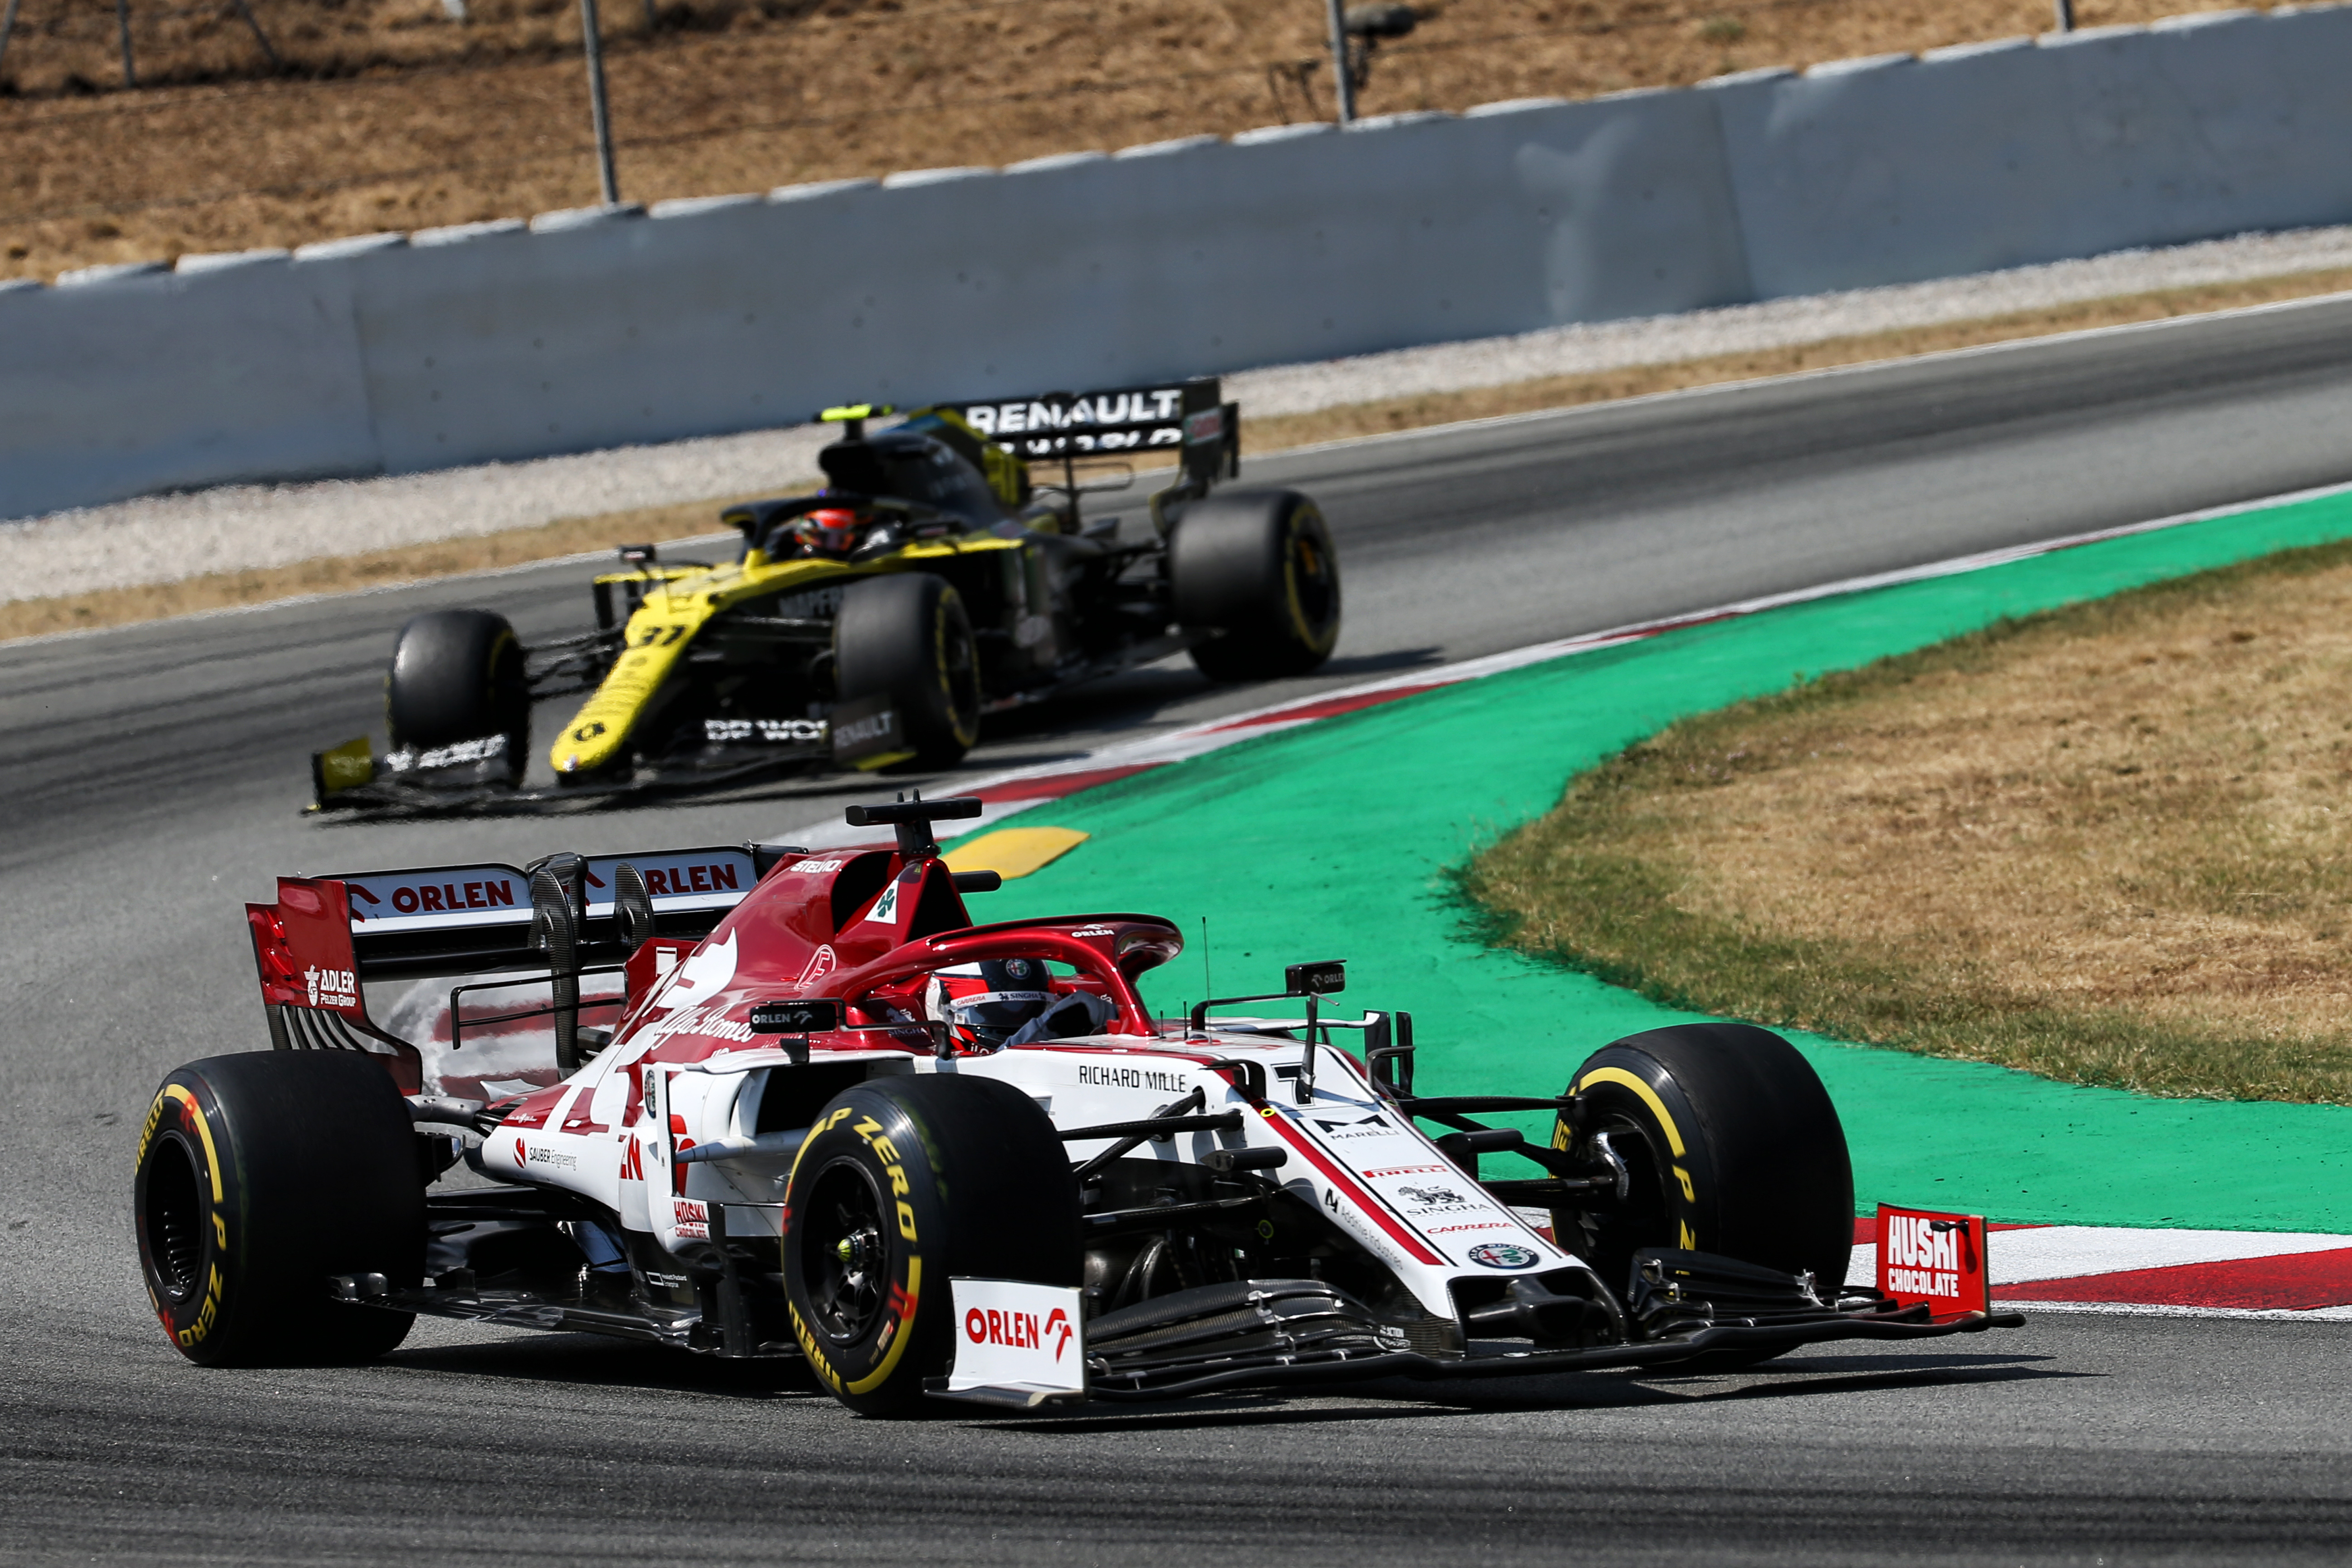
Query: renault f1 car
(944, 572)
(790, 1104)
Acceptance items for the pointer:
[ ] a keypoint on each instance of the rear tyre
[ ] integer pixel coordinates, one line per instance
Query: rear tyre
(902, 1184)
(905, 637)
(457, 675)
(1256, 568)
(1732, 1147)
(259, 1176)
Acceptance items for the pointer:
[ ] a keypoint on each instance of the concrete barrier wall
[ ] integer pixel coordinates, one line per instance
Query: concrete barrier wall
(1163, 261)
(138, 380)
(1990, 155)
(584, 330)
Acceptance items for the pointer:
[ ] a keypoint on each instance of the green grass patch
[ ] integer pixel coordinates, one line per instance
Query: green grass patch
(2109, 843)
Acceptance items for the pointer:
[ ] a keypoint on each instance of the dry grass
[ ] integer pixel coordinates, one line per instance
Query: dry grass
(386, 115)
(2111, 843)
(571, 536)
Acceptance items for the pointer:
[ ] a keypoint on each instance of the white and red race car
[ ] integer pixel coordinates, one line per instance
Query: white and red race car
(759, 1101)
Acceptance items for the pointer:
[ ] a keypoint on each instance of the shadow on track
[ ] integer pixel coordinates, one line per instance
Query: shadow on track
(1394, 1399)
(587, 1362)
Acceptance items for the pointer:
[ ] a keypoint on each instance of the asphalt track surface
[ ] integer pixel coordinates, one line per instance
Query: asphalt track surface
(151, 779)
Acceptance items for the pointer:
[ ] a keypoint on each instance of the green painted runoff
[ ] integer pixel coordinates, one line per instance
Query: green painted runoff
(1331, 841)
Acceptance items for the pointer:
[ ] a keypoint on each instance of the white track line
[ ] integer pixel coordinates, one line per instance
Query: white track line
(2142, 1310)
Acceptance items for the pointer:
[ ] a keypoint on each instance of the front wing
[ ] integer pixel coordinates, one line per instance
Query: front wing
(388, 796)
(1881, 1321)
(1272, 1334)
(1305, 1357)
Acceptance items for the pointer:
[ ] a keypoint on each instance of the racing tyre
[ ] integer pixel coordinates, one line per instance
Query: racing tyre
(902, 1184)
(905, 637)
(1255, 567)
(1731, 1146)
(457, 675)
(259, 1176)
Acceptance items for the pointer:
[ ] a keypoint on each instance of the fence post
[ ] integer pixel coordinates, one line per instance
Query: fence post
(122, 28)
(2065, 9)
(596, 108)
(1341, 78)
(7, 26)
(259, 37)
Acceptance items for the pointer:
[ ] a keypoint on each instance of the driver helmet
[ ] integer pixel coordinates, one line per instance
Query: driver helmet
(1003, 1002)
(984, 1005)
(832, 530)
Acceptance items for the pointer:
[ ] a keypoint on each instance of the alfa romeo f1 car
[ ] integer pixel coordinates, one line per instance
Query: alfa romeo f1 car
(763, 1102)
(936, 578)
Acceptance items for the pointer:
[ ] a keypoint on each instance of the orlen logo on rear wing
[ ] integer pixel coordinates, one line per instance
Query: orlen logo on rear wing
(675, 880)
(437, 897)
(453, 898)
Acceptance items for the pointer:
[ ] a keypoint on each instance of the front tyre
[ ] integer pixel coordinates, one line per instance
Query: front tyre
(902, 1184)
(259, 1176)
(1256, 569)
(1730, 1145)
(457, 676)
(905, 637)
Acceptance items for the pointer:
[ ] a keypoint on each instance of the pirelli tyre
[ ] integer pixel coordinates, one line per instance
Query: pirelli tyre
(259, 1177)
(902, 1184)
(1256, 569)
(904, 636)
(1730, 1145)
(456, 687)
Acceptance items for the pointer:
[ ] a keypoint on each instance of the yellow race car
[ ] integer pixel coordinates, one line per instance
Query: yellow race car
(934, 579)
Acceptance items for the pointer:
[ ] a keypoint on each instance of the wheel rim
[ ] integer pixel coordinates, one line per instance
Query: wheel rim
(175, 1219)
(959, 670)
(1311, 574)
(1646, 1218)
(846, 1262)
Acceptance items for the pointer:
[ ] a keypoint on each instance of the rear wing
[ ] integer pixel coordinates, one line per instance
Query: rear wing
(1187, 418)
(455, 920)
(325, 937)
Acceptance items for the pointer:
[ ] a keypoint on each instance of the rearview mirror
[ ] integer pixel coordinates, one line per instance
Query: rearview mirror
(1326, 979)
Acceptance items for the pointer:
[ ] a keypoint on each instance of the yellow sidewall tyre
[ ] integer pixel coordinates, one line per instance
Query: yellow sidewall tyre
(903, 1184)
(257, 1178)
(1256, 570)
(1733, 1146)
(459, 675)
(905, 635)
